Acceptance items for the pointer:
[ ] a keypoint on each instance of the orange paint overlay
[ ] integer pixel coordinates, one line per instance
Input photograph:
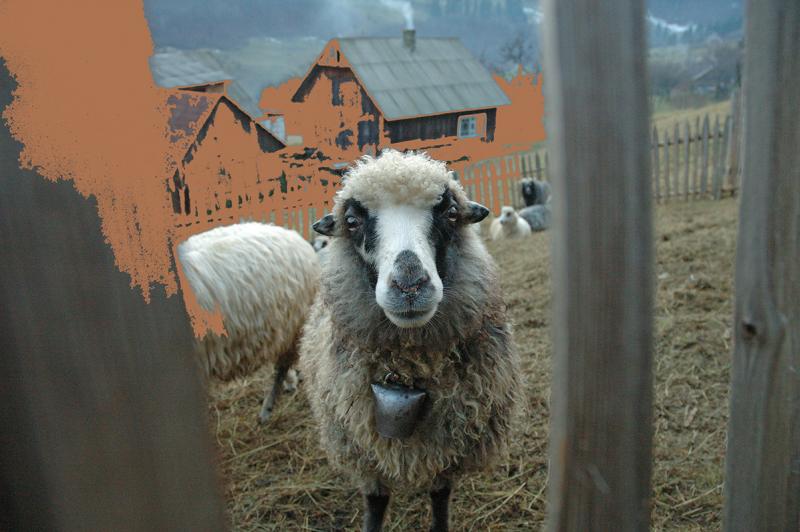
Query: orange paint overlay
(86, 110)
(164, 164)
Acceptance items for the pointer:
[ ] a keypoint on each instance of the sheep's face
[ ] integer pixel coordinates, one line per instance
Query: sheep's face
(320, 243)
(529, 190)
(508, 216)
(408, 247)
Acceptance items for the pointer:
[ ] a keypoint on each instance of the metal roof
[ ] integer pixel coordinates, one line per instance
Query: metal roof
(439, 76)
(185, 68)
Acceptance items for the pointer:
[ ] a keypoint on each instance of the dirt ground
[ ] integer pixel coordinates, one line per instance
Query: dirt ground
(278, 479)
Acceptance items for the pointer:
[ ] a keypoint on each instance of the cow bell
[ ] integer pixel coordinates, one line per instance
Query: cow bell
(398, 409)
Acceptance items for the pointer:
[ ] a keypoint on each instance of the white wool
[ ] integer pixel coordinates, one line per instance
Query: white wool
(397, 178)
(262, 278)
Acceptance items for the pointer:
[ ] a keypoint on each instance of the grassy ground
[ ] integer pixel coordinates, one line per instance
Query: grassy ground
(666, 120)
(277, 479)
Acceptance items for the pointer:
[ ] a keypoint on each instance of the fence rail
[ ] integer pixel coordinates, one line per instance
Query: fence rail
(692, 163)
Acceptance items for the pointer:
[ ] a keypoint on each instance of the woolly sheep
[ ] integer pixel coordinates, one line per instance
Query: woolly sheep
(263, 279)
(509, 225)
(537, 216)
(535, 192)
(409, 304)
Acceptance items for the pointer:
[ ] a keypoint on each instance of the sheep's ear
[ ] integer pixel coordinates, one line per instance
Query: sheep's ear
(475, 212)
(325, 225)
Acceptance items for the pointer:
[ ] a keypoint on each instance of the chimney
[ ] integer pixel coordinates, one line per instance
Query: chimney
(410, 39)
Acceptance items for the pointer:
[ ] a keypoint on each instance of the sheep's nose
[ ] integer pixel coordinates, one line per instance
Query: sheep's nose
(409, 276)
(410, 285)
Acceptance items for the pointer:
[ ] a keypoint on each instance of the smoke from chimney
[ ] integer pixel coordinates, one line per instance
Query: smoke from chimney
(405, 8)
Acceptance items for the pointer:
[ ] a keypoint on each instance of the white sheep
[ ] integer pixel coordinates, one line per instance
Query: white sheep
(262, 279)
(509, 225)
(411, 371)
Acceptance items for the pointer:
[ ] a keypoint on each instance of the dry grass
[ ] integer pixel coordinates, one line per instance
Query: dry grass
(277, 479)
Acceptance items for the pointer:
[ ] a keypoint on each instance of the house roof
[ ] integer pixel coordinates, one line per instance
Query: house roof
(439, 76)
(188, 113)
(186, 68)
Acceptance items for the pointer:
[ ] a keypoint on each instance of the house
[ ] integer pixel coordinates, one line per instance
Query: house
(217, 152)
(401, 89)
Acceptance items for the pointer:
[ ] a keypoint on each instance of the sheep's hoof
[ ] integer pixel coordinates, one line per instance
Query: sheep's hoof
(264, 416)
(291, 380)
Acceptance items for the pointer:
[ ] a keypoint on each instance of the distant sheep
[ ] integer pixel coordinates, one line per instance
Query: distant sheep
(509, 225)
(537, 216)
(409, 315)
(263, 279)
(535, 192)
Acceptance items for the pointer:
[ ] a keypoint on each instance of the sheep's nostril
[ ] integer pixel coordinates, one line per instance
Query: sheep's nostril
(411, 286)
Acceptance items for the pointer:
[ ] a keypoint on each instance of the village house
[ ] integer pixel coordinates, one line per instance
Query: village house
(218, 153)
(399, 90)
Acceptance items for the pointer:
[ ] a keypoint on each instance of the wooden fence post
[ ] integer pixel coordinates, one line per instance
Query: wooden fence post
(676, 164)
(656, 165)
(687, 135)
(762, 484)
(538, 162)
(546, 166)
(704, 157)
(667, 149)
(600, 441)
(733, 168)
(696, 162)
(104, 416)
(716, 172)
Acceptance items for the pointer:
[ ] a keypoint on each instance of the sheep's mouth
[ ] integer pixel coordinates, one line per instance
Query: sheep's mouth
(406, 319)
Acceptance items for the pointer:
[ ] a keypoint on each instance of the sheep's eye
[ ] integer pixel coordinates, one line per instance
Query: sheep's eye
(452, 213)
(352, 222)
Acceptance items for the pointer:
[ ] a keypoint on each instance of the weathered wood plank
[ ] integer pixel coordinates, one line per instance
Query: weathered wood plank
(762, 485)
(104, 416)
(667, 149)
(716, 172)
(723, 155)
(538, 162)
(696, 149)
(687, 135)
(676, 169)
(705, 140)
(733, 168)
(656, 165)
(546, 166)
(600, 443)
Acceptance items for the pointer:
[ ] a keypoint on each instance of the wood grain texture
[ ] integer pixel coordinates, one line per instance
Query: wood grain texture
(600, 443)
(687, 135)
(704, 156)
(656, 149)
(104, 417)
(762, 485)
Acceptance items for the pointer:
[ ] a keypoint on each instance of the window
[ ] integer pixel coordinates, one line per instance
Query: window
(467, 126)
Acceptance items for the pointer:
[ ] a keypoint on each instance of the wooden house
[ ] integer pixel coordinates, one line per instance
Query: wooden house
(402, 89)
(217, 152)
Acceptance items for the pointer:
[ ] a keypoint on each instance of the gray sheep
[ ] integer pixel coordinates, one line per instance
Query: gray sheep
(410, 366)
(537, 216)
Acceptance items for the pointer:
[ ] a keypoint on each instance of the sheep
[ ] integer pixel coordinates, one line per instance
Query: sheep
(509, 225)
(320, 242)
(263, 279)
(535, 192)
(409, 310)
(537, 216)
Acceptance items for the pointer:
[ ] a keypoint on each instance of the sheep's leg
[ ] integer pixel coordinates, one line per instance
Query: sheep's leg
(271, 394)
(440, 502)
(375, 503)
(291, 380)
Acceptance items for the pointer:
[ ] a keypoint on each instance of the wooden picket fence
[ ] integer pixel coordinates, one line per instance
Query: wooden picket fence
(691, 162)
(105, 424)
